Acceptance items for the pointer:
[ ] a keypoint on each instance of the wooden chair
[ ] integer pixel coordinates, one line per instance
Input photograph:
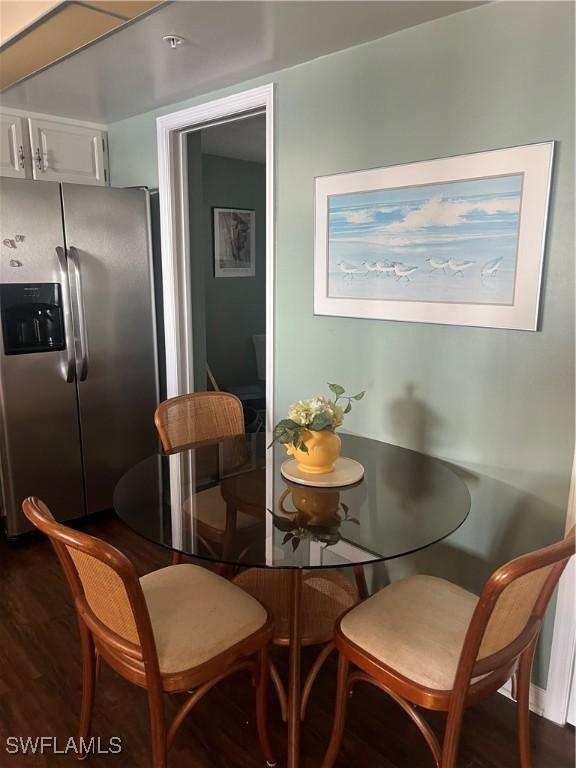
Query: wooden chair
(197, 418)
(428, 643)
(176, 629)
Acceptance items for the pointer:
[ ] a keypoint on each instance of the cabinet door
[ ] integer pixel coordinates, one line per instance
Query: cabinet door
(67, 152)
(12, 159)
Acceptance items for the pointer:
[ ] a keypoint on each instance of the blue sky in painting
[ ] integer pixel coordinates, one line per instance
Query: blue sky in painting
(454, 242)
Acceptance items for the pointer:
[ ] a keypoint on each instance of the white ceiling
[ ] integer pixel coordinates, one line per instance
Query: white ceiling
(243, 139)
(133, 70)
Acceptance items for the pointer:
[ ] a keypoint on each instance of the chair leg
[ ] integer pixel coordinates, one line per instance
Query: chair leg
(89, 672)
(280, 691)
(339, 713)
(157, 728)
(523, 699)
(360, 579)
(514, 686)
(262, 707)
(177, 558)
(312, 675)
(452, 737)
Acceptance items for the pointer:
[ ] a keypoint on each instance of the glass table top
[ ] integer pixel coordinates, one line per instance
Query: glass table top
(228, 502)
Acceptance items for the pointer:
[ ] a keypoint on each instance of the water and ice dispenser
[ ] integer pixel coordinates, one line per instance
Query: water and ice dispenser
(32, 318)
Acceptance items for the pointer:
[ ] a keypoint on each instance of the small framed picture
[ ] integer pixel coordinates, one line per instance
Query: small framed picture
(234, 242)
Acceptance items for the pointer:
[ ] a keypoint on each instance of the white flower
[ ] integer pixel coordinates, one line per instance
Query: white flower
(303, 412)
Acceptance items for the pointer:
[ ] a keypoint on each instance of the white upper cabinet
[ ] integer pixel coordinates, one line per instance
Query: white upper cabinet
(67, 152)
(13, 146)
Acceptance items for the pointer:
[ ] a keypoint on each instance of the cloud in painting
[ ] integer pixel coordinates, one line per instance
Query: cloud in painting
(438, 212)
(361, 216)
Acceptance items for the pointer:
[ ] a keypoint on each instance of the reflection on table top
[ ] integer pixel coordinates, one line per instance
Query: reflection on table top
(227, 501)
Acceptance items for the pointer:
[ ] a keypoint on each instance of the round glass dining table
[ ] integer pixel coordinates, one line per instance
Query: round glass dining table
(227, 501)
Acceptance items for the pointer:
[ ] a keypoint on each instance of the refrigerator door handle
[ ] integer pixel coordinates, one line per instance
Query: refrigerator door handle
(67, 312)
(82, 365)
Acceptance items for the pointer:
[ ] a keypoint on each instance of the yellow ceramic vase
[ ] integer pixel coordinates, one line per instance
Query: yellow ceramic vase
(323, 450)
(313, 507)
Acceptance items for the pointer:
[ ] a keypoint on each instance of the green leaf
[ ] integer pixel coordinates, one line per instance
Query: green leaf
(295, 543)
(352, 520)
(286, 432)
(359, 396)
(299, 444)
(320, 422)
(286, 425)
(348, 407)
(287, 538)
(337, 389)
(345, 507)
(283, 524)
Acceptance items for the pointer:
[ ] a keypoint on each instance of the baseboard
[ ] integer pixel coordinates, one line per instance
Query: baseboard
(537, 696)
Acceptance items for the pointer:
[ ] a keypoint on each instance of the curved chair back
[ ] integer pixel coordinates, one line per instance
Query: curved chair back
(508, 617)
(197, 417)
(105, 587)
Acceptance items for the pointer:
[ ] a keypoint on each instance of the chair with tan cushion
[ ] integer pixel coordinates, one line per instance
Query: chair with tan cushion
(173, 630)
(199, 418)
(429, 643)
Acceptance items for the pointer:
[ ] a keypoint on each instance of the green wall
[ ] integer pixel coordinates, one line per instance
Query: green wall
(235, 306)
(498, 405)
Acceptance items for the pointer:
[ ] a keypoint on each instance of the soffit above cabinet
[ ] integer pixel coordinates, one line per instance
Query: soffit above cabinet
(16, 16)
(57, 31)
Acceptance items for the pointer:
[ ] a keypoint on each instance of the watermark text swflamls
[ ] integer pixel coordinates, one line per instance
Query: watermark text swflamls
(43, 745)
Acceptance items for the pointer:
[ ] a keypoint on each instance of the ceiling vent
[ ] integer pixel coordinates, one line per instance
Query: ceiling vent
(37, 34)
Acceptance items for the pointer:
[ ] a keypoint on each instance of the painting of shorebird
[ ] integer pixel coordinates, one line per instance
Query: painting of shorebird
(433, 242)
(453, 235)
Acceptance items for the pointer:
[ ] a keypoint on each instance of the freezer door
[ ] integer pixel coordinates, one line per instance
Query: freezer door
(39, 431)
(110, 262)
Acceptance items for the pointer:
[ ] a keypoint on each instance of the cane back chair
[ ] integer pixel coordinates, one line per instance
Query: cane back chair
(201, 417)
(178, 629)
(428, 643)
(197, 417)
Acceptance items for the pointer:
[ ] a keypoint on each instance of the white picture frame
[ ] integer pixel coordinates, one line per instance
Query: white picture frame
(234, 232)
(456, 241)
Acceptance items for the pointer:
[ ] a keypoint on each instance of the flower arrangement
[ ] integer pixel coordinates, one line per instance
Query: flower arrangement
(319, 414)
(296, 529)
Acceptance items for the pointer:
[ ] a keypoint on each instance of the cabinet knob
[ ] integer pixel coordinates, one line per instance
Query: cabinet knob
(38, 157)
(21, 156)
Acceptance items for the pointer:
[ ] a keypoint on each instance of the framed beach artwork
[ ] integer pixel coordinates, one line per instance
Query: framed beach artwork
(458, 240)
(234, 242)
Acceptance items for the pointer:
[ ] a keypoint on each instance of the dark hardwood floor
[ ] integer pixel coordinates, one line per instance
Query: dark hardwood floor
(40, 693)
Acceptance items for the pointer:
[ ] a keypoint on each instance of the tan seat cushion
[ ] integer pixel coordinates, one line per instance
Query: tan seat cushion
(210, 509)
(416, 626)
(197, 615)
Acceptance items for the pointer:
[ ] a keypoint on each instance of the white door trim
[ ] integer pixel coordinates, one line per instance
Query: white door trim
(563, 649)
(174, 229)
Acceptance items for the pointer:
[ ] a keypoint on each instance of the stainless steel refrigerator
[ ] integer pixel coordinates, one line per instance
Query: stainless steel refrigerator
(78, 369)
